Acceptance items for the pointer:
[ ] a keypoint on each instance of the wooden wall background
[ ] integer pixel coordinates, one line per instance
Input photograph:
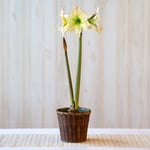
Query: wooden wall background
(116, 63)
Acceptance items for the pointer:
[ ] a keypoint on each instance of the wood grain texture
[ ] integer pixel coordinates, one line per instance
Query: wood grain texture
(115, 80)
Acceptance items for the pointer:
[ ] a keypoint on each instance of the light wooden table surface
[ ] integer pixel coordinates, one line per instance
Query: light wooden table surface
(99, 139)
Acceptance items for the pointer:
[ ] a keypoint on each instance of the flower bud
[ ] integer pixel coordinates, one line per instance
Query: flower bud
(64, 44)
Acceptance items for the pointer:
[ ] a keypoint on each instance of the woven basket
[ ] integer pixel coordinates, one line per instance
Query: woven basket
(73, 125)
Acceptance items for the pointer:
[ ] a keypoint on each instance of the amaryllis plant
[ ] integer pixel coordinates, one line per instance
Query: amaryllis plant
(77, 21)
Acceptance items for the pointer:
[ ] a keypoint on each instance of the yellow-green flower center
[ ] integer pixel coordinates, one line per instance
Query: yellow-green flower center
(77, 20)
(64, 21)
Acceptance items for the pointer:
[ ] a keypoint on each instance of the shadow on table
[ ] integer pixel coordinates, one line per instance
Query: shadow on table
(114, 141)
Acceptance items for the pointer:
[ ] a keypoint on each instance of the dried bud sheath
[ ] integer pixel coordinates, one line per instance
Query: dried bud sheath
(64, 44)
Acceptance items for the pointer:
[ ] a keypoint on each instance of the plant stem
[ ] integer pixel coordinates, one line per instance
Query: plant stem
(69, 74)
(78, 75)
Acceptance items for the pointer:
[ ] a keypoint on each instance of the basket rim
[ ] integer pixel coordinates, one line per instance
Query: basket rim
(62, 111)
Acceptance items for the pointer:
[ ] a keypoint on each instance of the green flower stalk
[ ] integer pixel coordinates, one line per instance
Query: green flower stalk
(69, 74)
(78, 75)
(77, 21)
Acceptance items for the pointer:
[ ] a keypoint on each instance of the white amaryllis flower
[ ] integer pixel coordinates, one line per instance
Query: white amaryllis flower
(64, 27)
(76, 21)
(79, 21)
(94, 20)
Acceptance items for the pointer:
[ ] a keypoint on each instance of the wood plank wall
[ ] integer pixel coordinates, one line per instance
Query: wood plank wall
(116, 63)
